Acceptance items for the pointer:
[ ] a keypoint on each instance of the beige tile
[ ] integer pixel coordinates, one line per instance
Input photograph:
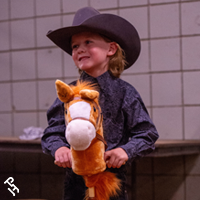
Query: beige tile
(6, 124)
(69, 6)
(191, 123)
(5, 94)
(5, 67)
(164, 20)
(97, 4)
(190, 18)
(168, 122)
(138, 18)
(4, 42)
(132, 3)
(4, 14)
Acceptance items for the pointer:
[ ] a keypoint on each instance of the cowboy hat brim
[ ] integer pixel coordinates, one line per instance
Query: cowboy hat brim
(112, 26)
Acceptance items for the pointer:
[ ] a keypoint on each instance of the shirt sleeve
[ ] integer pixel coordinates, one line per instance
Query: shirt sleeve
(54, 134)
(140, 129)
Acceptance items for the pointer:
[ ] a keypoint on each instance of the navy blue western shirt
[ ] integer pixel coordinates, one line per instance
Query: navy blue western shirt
(126, 122)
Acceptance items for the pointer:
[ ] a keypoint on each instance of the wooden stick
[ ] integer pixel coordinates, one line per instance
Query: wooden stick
(91, 192)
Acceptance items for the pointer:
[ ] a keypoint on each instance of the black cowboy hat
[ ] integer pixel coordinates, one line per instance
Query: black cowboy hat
(112, 26)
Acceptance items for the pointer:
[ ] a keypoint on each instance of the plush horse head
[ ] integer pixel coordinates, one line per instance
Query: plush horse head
(84, 132)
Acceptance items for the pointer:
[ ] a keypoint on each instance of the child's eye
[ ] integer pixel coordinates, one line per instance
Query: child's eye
(75, 46)
(88, 42)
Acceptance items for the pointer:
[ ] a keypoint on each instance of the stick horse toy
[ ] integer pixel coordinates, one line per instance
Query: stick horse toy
(84, 132)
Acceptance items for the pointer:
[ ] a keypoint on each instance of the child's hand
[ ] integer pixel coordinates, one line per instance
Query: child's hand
(63, 157)
(115, 158)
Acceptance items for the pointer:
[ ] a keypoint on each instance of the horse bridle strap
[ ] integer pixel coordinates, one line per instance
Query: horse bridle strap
(98, 136)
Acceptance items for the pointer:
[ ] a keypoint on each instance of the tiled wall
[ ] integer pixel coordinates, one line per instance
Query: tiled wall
(166, 73)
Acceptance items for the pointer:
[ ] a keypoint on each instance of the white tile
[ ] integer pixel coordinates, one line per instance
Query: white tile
(73, 6)
(43, 120)
(5, 94)
(142, 84)
(70, 68)
(132, 3)
(165, 55)
(23, 65)
(47, 7)
(168, 122)
(166, 89)
(22, 34)
(98, 4)
(4, 42)
(49, 63)
(191, 49)
(6, 124)
(47, 94)
(24, 120)
(67, 20)
(4, 14)
(22, 8)
(162, 1)
(24, 95)
(44, 25)
(114, 12)
(142, 64)
(192, 125)
(191, 87)
(138, 17)
(164, 20)
(5, 66)
(70, 80)
(190, 18)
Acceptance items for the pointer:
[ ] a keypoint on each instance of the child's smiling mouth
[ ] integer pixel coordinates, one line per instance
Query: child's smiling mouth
(83, 58)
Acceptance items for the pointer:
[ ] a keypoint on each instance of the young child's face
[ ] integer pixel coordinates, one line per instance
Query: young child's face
(90, 53)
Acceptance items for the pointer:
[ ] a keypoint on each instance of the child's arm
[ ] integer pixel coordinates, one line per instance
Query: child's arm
(63, 157)
(115, 158)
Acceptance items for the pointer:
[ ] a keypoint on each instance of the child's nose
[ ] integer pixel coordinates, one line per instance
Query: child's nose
(81, 49)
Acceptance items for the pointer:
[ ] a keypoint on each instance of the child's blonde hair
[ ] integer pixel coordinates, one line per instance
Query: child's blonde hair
(117, 62)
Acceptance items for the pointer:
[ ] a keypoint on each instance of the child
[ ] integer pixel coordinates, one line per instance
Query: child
(102, 46)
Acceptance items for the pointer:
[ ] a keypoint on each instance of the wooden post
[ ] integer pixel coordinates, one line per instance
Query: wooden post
(92, 194)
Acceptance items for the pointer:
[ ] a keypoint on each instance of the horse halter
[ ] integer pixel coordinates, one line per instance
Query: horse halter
(98, 124)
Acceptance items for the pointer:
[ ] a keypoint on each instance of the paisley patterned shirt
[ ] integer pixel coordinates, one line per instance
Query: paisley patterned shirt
(126, 122)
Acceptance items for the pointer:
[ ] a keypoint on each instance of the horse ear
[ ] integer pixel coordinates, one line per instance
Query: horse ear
(64, 91)
(90, 94)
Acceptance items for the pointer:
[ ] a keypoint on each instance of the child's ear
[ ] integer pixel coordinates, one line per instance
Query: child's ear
(113, 48)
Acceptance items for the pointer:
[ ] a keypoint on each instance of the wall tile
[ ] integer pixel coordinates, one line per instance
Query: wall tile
(24, 95)
(5, 94)
(165, 55)
(192, 164)
(142, 85)
(98, 4)
(190, 18)
(4, 14)
(47, 7)
(191, 49)
(68, 6)
(168, 122)
(138, 17)
(191, 89)
(49, 63)
(166, 89)
(22, 34)
(192, 187)
(67, 20)
(164, 20)
(162, 1)
(51, 23)
(47, 94)
(142, 64)
(173, 165)
(24, 120)
(69, 67)
(6, 124)
(169, 187)
(43, 119)
(5, 66)
(4, 42)
(23, 65)
(192, 125)
(132, 3)
(22, 8)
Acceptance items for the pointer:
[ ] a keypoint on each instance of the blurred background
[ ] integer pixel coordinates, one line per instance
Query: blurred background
(167, 73)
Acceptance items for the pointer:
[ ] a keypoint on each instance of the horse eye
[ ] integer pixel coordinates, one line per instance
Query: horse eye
(94, 109)
(65, 111)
